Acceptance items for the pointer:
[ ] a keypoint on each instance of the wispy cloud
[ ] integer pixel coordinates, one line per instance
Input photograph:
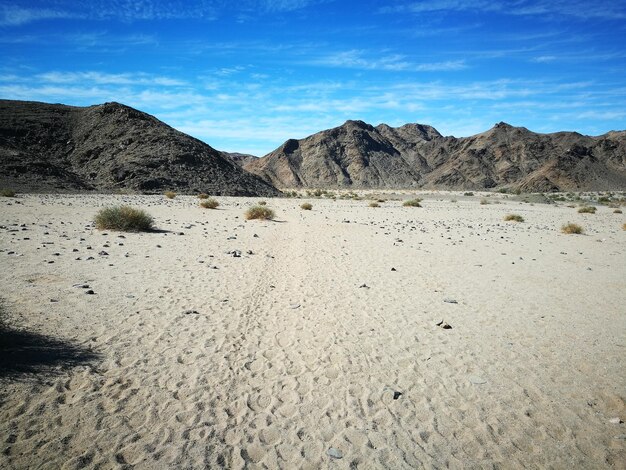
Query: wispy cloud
(100, 78)
(393, 62)
(13, 15)
(602, 9)
(130, 10)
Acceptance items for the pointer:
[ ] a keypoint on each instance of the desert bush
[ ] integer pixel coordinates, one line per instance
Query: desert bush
(203, 196)
(412, 203)
(7, 193)
(572, 228)
(469, 193)
(170, 194)
(483, 201)
(307, 206)
(617, 211)
(262, 203)
(209, 203)
(514, 217)
(624, 227)
(123, 218)
(374, 204)
(260, 212)
(587, 210)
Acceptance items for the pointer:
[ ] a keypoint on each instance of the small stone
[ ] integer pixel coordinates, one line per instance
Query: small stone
(364, 286)
(334, 453)
(393, 269)
(103, 253)
(191, 312)
(615, 421)
(89, 292)
(450, 301)
(294, 306)
(444, 325)
(477, 380)
(397, 395)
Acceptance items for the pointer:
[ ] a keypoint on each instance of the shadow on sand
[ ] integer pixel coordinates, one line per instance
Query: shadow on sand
(25, 353)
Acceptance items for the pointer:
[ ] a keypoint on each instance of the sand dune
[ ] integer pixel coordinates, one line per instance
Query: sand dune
(320, 341)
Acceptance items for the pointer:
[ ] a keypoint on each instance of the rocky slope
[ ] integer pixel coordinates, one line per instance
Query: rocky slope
(240, 159)
(108, 147)
(357, 154)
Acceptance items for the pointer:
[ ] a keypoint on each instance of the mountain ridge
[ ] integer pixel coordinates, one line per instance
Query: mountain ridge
(357, 154)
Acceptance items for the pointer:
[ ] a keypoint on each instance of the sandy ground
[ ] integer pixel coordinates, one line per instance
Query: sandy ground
(320, 341)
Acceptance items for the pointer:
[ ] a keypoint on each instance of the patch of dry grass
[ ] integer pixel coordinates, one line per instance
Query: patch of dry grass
(7, 192)
(514, 218)
(260, 212)
(124, 218)
(209, 203)
(170, 194)
(307, 206)
(587, 210)
(572, 229)
(374, 204)
(412, 203)
(203, 196)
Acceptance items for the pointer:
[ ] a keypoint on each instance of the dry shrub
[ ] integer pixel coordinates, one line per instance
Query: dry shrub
(124, 218)
(7, 193)
(209, 203)
(617, 211)
(262, 203)
(412, 203)
(587, 210)
(307, 206)
(514, 217)
(260, 212)
(374, 204)
(170, 194)
(572, 229)
(203, 196)
(483, 201)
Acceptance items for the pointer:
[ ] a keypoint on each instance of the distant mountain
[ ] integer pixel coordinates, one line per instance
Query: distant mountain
(53, 147)
(359, 155)
(240, 159)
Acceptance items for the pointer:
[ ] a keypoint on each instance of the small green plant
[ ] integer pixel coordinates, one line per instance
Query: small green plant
(7, 193)
(412, 203)
(170, 194)
(514, 217)
(259, 212)
(123, 218)
(572, 229)
(203, 196)
(209, 203)
(374, 204)
(587, 210)
(307, 206)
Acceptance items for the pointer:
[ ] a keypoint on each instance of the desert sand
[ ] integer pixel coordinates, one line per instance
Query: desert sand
(312, 341)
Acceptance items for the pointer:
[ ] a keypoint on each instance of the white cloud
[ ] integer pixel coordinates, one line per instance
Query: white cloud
(393, 62)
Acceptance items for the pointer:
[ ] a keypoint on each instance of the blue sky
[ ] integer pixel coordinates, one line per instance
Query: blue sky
(246, 75)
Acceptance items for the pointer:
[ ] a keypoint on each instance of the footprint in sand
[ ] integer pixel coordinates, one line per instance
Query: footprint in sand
(269, 436)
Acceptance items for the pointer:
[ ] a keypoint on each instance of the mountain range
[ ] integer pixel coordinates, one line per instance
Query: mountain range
(359, 155)
(111, 147)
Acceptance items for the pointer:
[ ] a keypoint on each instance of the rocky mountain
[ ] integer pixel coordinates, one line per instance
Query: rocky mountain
(359, 155)
(108, 147)
(240, 159)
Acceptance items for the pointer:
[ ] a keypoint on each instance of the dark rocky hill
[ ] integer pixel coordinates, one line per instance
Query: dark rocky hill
(109, 147)
(357, 154)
